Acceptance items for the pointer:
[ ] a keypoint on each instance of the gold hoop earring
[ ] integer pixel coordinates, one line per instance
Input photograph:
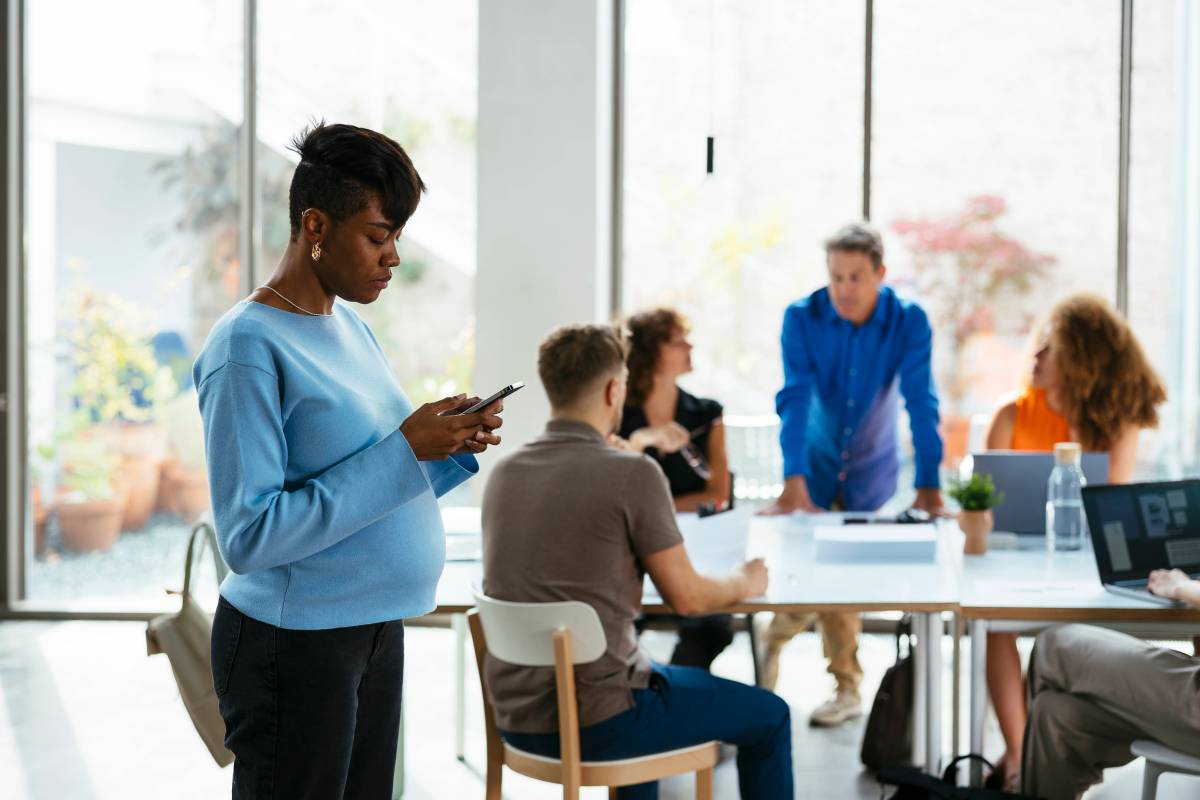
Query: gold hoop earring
(316, 251)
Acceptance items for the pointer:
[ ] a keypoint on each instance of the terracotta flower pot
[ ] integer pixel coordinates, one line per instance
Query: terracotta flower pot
(91, 524)
(41, 514)
(186, 491)
(976, 525)
(142, 449)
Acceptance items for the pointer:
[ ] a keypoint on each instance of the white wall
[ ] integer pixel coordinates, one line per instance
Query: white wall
(545, 189)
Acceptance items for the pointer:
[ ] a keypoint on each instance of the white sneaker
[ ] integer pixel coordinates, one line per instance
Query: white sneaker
(841, 707)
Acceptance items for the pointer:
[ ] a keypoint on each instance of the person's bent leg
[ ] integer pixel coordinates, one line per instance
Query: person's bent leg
(701, 640)
(289, 701)
(1155, 691)
(683, 707)
(1006, 686)
(782, 629)
(839, 636)
(1069, 743)
(377, 728)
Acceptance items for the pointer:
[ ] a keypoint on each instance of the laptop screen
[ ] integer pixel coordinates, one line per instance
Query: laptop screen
(1140, 527)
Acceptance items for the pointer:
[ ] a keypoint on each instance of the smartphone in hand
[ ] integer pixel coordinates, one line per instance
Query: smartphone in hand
(500, 395)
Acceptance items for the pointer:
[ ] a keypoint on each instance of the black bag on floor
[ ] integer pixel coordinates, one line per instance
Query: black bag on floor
(913, 784)
(887, 740)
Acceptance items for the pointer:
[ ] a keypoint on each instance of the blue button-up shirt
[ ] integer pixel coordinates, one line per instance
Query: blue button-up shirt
(839, 404)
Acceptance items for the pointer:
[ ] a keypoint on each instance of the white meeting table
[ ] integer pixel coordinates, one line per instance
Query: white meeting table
(800, 585)
(1009, 589)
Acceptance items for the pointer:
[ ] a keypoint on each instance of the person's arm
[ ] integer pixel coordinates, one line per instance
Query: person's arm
(445, 475)
(1000, 431)
(666, 438)
(792, 404)
(921, 400)
(1173, 584)
(716, 488)
(689, 593)
(1122, 455)
(259, 523)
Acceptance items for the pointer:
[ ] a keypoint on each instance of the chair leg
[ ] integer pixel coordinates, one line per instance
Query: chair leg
(754, 650)
(570, 791)
(495, 778)
(612, 793)
(1150, 781)
(704, 784)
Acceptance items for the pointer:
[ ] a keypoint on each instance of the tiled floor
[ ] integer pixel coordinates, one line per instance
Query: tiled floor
(85, 715)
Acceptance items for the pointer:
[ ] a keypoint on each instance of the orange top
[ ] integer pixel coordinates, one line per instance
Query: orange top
(1038, 427)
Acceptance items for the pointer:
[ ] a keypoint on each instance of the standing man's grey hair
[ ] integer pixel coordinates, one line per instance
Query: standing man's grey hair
(857, 237)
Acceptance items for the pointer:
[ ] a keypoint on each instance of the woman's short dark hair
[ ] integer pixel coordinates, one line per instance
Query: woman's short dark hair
(857, 237)
(648, 332)
(341, 166)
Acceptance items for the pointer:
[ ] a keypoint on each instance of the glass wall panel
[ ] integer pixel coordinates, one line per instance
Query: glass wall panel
(994, 176)
(779, 85)
(131, 212)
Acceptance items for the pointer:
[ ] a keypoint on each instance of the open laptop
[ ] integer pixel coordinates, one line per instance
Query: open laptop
(1023, 478)
(1137, 528)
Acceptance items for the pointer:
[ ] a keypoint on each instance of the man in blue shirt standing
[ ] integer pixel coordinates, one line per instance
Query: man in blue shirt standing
(848, 350)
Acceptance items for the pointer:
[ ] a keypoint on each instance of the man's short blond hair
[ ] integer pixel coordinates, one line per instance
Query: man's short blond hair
(574, 357)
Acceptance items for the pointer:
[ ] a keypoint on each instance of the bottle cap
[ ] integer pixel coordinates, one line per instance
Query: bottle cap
(1068, 453)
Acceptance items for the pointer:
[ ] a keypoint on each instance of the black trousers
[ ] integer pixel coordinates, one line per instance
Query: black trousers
(308, 714)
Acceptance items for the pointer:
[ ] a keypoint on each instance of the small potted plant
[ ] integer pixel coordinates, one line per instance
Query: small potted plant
(977, 496)
(91, 496)
(118, 384)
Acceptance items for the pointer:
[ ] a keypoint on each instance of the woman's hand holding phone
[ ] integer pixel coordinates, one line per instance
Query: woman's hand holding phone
(435, 432)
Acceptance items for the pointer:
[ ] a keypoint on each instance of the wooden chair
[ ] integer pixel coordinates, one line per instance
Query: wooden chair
(561, 635)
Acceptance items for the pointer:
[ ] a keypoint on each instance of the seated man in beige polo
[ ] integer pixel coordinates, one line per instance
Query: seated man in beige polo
(569, 517)
(1094, 691)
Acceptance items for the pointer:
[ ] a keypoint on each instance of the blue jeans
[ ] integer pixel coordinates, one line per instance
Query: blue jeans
(685, 706)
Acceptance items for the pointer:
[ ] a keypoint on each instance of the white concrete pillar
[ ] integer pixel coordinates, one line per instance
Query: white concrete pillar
(545, 182)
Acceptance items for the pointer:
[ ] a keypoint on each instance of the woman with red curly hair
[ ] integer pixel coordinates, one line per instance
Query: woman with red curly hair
(1091, 383)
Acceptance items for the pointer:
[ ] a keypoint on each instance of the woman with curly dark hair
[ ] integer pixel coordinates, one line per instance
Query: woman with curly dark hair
(1090, 383)
(685, 435)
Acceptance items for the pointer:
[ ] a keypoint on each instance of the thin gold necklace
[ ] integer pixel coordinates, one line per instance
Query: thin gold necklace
(294, 303)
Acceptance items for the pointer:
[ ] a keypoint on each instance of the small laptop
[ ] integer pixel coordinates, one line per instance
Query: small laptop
(1023, 478)
(1137, 528)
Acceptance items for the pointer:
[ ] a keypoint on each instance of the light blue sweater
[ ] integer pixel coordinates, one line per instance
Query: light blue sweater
(322, 511)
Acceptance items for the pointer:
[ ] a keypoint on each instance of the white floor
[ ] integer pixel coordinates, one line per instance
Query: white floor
(85, 715)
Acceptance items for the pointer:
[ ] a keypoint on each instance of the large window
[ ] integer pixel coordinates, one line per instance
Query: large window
(778, 85)
(131, 203)
(133, 191)
(993, 174)
(408, 69)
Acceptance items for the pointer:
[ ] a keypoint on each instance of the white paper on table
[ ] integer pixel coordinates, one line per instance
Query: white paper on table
(716, 544)
(875, 544)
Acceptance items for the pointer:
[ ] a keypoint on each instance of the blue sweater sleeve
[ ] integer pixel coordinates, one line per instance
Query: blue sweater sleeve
(261, 525)
(920, 398)
(793, 401)
(445, 475)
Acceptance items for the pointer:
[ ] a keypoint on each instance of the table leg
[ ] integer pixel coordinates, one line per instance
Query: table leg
(978, 693)
(956, 688)
(920, 656)
(933, 675)
(459, 623)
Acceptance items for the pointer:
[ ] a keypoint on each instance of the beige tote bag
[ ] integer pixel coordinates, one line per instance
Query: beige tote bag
(184, 637)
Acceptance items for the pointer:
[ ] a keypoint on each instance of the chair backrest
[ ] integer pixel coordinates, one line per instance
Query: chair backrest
(523, 633)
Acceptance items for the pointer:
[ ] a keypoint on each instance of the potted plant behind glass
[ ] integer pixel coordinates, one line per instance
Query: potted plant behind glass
(977, 496)
(118, 386)
(966, 267)
(91, 495)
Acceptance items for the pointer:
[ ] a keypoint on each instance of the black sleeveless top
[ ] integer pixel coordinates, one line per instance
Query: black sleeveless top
(697, 415)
